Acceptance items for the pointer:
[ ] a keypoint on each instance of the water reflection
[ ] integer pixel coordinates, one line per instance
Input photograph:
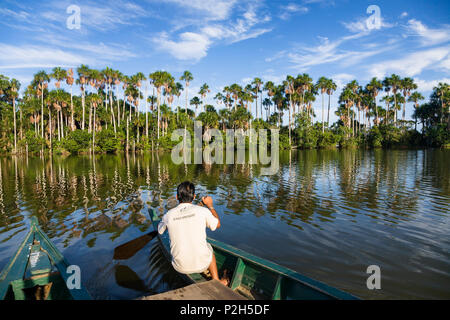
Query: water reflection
(328, 214)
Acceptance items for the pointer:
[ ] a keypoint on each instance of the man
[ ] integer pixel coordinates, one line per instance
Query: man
(187, 223)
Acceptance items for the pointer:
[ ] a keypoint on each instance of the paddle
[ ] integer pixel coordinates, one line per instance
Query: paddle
(127, 278)
(129, 249)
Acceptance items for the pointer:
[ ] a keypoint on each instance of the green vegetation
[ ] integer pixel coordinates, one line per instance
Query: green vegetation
(114, 112)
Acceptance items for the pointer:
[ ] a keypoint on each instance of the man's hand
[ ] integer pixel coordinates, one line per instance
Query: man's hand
(208, 201)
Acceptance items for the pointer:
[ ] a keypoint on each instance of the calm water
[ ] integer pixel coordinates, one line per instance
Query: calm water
(326, 214)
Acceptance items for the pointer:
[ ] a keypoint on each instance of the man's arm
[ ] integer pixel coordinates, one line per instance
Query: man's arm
(208, 202)
(162, 225)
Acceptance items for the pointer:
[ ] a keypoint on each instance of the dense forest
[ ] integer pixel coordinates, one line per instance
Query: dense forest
(119, 113)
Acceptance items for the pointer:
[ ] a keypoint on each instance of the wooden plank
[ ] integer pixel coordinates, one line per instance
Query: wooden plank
(208, 290)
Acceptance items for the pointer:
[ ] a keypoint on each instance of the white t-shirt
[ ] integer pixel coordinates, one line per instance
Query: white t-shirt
(187, 231)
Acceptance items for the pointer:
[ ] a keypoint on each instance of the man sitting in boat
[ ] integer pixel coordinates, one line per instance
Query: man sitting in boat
(186, 224)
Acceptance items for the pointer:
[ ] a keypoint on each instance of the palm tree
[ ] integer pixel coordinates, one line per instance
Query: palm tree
(236, 91)
(303, 84)
(204, 90)
(187, 78)
(415, 97)
(70, 81)
(40, 81)
(269, 86)
(387, 88)
(159, 79)
(13, 93)
(83, 78)
(443, 91)
(331, 88)
(267, 103)
(395, 84)
(257, 84)
(322, 84)
(374, 87)
(407, 85)
(195, 101)
(289, 90)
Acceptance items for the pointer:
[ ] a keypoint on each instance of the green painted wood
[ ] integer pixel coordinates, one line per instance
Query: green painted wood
(58, 290)
(277, 292)
(15, 269)
(264, 277)
(61, 264)
(39, 262)
(237, 274)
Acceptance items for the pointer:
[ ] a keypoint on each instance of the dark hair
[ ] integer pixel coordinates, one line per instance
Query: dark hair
(185, 192)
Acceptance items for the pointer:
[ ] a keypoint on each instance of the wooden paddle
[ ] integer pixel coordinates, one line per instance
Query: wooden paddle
(129, 249)
(127, 278)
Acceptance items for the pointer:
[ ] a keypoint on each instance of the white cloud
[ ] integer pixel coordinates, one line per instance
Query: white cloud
(360, 25)
(210, 9)
(412, 64)
(404, 14)
(428, 85)
(98, 15)
(191, 46)
(292, 8)
(341, 79)
(32, 56)
(328, 52)
(428, 36)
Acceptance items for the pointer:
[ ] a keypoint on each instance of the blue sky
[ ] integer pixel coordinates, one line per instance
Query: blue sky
(222, 42)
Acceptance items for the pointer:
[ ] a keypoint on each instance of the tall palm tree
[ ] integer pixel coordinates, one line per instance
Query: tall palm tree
(196, 102)
(41, 80)
(331, 88)
(159, 79)
(70, 80)
(396, 84)
(14, 86)
(387, 88)
(267, 103)
(289, 90)
(374, 87)
(415, 97)
(204, 90)
(257, 85)
(269, 86)
(322, 85)
(442, 91)
(407, 85)
(83, 79)
(187, 78)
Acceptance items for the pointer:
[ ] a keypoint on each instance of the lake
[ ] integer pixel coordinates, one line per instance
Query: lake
(327, 214)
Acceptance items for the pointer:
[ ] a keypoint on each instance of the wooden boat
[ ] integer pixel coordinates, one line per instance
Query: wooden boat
(256, 278)
(38, 271)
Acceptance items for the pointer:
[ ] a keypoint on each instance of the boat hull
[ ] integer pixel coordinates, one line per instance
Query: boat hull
(257, 278)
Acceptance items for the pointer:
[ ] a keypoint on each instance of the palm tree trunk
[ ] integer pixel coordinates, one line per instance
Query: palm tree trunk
(146, 111)
(159, 111)
(50, 125)
(15, 129)
(93, 133)
(323, 116)
(118, 106)
(42, 111)
(83, 101)
(328, 112)
(72, 123)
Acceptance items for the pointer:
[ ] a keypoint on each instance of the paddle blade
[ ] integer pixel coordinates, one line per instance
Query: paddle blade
(129, 249)
(127, 278)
